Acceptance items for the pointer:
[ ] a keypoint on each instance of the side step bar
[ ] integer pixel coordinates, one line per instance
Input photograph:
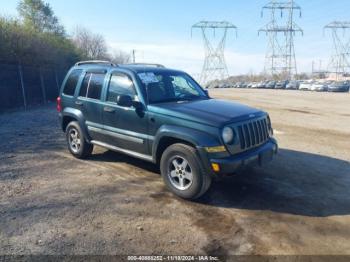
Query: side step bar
(124, 151)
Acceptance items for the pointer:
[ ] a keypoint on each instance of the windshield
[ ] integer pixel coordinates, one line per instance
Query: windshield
(164, 87)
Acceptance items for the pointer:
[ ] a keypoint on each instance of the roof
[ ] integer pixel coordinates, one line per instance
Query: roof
(135, 68)
(144, 69)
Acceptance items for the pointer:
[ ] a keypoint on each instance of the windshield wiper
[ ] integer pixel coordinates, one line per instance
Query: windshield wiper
(191, 98)
(164, 101)
(179, 99)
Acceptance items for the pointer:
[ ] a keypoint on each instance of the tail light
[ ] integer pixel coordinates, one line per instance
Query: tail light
(59, 105)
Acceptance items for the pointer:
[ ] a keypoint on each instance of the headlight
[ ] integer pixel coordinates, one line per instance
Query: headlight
(227, 135)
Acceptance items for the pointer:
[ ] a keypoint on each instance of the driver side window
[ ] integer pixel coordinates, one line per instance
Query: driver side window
(120, 84)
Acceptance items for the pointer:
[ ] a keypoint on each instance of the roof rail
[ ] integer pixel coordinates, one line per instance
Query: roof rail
(146, 65)
(94, 62)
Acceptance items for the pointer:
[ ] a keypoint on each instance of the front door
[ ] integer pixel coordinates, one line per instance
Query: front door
(125, 127)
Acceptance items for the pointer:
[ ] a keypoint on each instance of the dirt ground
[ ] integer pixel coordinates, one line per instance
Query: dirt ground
(51, 203)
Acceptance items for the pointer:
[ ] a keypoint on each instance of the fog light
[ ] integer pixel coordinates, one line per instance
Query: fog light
(215, 167)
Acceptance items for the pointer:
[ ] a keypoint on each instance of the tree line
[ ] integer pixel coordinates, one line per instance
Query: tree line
(36, 37)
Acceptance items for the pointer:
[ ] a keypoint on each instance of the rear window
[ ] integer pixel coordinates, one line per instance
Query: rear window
(72, 82)
(92, 85)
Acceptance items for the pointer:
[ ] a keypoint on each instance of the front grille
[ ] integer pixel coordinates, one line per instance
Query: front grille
(253, 133)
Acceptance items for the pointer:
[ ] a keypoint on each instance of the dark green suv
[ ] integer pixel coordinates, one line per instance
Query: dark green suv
(162, 116)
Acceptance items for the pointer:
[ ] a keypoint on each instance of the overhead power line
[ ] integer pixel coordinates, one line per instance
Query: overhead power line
(280, 58)
(214, 67)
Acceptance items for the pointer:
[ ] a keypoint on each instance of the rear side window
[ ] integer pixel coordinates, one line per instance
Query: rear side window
(92, 85)
(71, 83)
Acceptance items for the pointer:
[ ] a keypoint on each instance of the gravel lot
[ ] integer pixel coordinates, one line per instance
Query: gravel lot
(51, 203)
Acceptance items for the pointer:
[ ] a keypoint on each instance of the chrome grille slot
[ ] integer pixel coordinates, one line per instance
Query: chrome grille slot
(253, 133)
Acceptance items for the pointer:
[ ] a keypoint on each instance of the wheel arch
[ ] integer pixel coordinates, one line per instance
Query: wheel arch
(69, 115)
(169, 135)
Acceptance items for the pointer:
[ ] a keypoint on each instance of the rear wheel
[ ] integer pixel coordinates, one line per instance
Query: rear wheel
(76, 141)
(182, 172)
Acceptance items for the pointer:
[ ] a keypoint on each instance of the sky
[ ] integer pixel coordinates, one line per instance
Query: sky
(160, 30)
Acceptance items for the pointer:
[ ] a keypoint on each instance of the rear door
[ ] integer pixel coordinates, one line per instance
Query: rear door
(89, 101)
(69, 88)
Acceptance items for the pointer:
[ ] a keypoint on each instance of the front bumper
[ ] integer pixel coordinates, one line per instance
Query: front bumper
(229, 165)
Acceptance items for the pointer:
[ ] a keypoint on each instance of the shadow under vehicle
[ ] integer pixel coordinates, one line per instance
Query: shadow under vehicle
(297, 183)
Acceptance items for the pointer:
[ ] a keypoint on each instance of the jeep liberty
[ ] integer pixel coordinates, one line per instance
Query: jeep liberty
(163, 116)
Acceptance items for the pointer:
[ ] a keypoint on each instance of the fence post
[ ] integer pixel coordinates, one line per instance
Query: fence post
(22, 86)
(58, 85)
(42, 85)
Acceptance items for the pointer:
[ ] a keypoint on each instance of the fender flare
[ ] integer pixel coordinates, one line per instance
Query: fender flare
(78, 115)
(193, 136)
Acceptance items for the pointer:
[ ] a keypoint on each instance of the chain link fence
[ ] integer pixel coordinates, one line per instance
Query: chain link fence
(22, 86)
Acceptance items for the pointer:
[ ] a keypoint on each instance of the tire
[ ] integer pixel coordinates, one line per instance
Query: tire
(182, 172)
(76, 141)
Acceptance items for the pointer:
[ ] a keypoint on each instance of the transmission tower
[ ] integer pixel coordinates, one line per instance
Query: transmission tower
(339, 63)
(280, 56)
(214, 67)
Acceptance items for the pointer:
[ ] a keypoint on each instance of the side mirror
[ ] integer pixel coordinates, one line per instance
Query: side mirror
(137, 105)
(125, 101)
(206, 92)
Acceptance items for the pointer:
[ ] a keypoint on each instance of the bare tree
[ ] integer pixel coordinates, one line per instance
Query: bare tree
(92, 46)
(120, 57)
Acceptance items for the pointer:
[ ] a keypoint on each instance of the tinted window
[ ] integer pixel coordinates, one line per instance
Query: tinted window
(71, 83)
(92, 85)
(120, 84)
(85, 85)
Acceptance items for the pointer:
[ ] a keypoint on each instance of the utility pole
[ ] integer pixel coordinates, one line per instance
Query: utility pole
(280, 55)
(339, 62)
(134, 56)
(214, 67)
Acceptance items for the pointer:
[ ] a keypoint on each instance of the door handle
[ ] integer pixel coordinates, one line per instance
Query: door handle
(109, 109)
(79, 103)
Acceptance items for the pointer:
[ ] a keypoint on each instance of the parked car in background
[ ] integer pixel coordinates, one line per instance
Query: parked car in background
(271, 84)
(293, 85)
(261, 84)
(306, 86)
(240, 85)
(281, 84)
(319, 86)
(339, 87)
(245, 85)
(255, 85)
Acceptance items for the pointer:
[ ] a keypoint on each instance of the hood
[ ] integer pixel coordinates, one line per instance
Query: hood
(213, 112)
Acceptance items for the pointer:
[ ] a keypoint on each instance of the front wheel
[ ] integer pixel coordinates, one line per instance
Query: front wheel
(182, 173)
